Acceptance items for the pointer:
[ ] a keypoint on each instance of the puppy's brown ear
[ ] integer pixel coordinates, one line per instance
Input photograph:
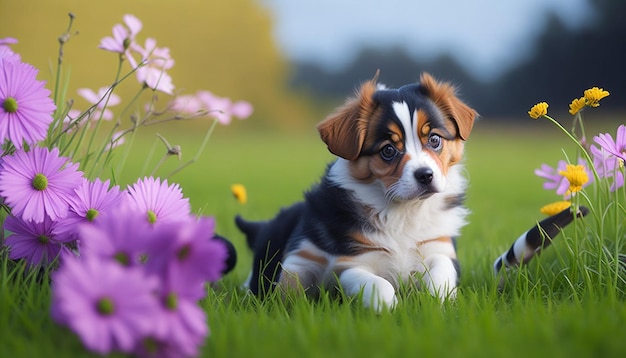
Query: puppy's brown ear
(444, 97)
(344, 130)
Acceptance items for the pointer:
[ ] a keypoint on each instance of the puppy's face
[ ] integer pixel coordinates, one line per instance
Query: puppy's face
(405, 139)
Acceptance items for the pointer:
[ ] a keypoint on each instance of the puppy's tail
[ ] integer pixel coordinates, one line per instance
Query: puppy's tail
(231, 260)
(250, 229)
(540, 236)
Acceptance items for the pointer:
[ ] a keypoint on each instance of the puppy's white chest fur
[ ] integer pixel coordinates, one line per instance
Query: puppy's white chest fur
(404, 235)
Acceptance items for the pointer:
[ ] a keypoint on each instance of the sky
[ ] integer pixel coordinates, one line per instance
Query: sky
(485, 36)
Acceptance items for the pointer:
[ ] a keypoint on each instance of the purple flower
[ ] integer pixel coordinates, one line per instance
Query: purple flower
(186, 253)
(158, 201)
(554, 180)
(182, 325)
(608, 166)
(38, 184)
(25, 106)
(616, 147)
(35, 242)
(91, 199)
(121, 235)
(111, 307)
(123, 36)
(5, 50)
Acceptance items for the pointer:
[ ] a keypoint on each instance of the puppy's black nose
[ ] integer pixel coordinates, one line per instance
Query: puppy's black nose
(424, 175)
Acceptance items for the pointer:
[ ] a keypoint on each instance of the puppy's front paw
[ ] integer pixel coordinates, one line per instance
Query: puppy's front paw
(379, 297)
(377, 292)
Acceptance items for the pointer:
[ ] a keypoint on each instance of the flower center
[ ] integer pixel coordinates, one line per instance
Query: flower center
(10, 105)
(152, 218)
(105, 306)
(43, 239)
(40, 182)
(92, 214)
(171, 301)
(183, 252)
(122, 258)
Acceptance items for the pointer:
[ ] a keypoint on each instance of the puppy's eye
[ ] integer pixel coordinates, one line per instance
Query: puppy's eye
(434, 141)
(388, 152)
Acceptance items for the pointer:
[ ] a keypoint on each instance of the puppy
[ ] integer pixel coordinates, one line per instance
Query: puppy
(387, 210)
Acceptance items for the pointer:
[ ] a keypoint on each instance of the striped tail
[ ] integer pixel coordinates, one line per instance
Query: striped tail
(540, 236)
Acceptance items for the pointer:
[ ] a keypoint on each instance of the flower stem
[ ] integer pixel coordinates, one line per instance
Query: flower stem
(200, 150)
(584, 151)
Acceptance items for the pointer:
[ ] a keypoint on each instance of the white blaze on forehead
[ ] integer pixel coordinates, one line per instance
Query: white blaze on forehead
(413, 146)
(411, 143)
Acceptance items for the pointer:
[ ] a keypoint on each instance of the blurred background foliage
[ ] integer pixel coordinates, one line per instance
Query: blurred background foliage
(223, 46)
(227, 47)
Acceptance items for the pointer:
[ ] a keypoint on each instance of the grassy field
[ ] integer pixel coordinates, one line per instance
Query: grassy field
(567, 302)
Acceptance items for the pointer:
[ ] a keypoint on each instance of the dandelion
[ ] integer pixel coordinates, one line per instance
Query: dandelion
(576, 175)
(538, 110)
(113, 315)
(159, 201)
(555, 208)
(577, 105)
(594, 95)
(91, 200)
(38, 184)
(37, 243)
(25, 105)
(239, 192)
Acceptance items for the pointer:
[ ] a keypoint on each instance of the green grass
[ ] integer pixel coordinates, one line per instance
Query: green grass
(567, 302)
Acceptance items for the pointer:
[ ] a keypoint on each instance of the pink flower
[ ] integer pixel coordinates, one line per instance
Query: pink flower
(123, 36)
(616, 147)
(223, 108)
(25, 105)
(39, 183)
(152, 71)
(554, 180)
(102, 102)
(608, 166)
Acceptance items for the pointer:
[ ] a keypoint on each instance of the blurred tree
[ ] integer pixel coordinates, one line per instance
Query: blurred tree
(224, 46)
(563, 64)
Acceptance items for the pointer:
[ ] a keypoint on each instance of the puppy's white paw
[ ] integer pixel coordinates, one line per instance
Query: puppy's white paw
(377, 292)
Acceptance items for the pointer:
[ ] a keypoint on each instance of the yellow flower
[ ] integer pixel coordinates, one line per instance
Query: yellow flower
(555, 208)
(576, 105)
(239, 191)
(594, 95)
(577, 177)
(538, 110)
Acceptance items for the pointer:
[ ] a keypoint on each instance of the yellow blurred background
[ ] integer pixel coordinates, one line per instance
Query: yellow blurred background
(224, 46)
